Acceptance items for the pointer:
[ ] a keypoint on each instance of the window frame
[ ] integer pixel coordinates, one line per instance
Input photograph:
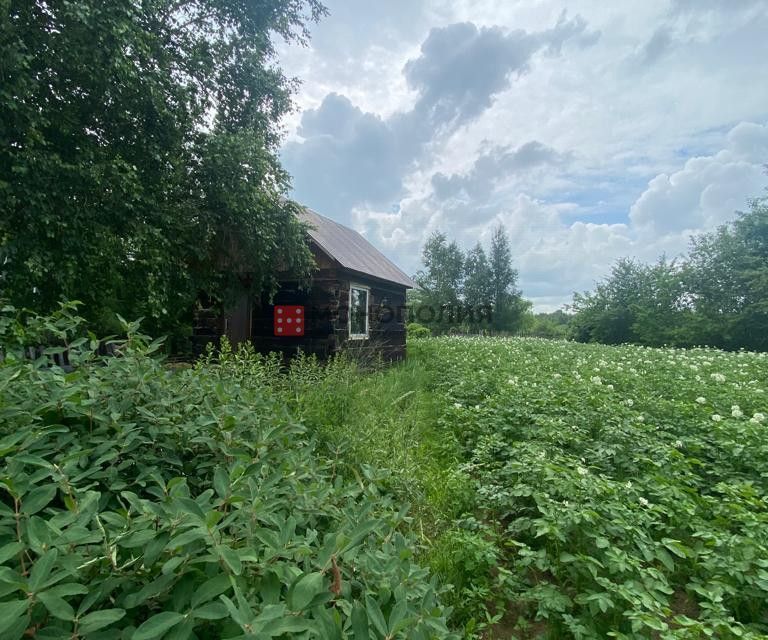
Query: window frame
(366, 335)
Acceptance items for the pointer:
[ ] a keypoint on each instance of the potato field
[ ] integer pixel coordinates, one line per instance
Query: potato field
(616, 491)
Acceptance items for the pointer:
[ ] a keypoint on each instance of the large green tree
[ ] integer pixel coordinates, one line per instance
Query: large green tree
(440, 281)
(728, 281)
(138, 152)
(637, 302)
(717, 295)
(457, 291)
(509, 307)
(478, 283)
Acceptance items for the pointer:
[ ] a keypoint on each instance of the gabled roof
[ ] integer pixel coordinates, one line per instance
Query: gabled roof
(351, 250)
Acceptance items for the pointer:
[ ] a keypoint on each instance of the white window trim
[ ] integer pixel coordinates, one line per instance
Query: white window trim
(359, 336)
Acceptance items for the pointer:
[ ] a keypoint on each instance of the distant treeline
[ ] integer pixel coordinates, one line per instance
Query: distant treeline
(468, 292)
(717, 295)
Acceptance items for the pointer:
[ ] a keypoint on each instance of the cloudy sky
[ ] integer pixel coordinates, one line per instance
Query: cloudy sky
(590, 130)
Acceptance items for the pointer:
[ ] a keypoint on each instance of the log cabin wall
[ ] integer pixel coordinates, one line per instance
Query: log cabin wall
(321, 304)
(386, 321)
(327, 317)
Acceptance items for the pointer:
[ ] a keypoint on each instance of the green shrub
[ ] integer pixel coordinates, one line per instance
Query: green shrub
(142, 502)
(416, 330)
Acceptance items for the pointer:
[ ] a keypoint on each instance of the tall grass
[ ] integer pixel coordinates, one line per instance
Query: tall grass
(387, 419)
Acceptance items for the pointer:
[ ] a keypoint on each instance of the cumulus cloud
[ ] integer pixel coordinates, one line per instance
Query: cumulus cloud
(708, 189)
(555, 254)
(348, 157)
(749, 142)
(557, 258)
(492, 166)
(461, 67)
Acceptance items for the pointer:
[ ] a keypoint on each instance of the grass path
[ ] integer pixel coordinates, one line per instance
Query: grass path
(388, 419)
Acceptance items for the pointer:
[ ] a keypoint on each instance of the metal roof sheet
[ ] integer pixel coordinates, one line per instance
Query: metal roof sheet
(351, 250)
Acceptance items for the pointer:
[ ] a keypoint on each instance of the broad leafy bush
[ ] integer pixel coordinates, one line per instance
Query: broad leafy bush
(139, 502)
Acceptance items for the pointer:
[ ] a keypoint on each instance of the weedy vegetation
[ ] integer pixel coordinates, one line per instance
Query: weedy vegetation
(139, 501)
(485, 488)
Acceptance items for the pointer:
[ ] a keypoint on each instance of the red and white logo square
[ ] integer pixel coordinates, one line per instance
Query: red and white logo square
(289, 320)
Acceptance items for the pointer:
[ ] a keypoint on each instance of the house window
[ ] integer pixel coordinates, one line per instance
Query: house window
(358, 311)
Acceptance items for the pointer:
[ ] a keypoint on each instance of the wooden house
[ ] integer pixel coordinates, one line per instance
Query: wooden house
(356, 299)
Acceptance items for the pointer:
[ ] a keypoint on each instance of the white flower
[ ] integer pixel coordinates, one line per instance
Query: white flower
(643, 501)
(610, 387)
(629, 402)
(758, 418)
(582, 471)
(737, 413)
(716, 417)
(629, 484)
(718, 377)
(678, 444)
(596, 380)
(457, 405)
(701, 400)
(641, 418)
(557, 376)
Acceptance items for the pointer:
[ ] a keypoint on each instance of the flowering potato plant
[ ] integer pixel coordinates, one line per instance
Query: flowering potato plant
(625, 488)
